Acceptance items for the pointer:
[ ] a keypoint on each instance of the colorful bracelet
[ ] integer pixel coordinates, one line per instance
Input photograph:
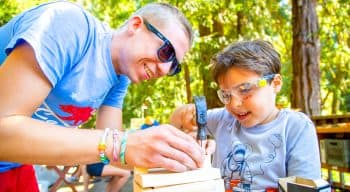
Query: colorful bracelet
(102, 147)
(123, 147)
(115, 144)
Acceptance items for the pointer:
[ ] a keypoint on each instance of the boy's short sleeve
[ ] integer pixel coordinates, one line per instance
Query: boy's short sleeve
(303, 158)
(215, 116)
(58, 33)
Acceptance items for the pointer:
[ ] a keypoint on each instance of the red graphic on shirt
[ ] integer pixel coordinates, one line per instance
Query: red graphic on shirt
(78, 114)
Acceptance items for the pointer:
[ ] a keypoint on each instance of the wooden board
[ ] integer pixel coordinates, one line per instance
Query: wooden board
(216, 185)
(159, 177)
(338, 128)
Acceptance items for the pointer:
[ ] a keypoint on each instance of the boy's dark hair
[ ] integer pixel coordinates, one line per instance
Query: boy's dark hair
(257, 55)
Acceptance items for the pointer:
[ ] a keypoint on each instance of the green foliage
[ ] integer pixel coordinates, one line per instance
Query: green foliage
(218, 23)
(169, 92)
(8, 9)
(114, 12)
(335, 55)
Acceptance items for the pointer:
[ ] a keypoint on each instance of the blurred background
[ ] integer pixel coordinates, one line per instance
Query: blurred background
(312, 38)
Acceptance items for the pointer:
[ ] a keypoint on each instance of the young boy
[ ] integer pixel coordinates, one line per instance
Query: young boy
(256, 143)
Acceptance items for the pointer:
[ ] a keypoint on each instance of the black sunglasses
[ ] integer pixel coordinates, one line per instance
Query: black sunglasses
(166, 52)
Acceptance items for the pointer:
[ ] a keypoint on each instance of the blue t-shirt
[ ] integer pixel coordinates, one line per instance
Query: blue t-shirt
(260, 155)
(73, 50)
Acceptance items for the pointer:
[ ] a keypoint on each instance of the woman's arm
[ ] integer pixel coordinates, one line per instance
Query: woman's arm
(23, 88)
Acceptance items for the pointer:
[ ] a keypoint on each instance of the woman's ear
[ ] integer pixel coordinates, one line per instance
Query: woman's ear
(135, 23)
(277, 83)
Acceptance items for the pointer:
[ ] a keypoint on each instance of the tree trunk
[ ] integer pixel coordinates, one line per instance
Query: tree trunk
(336, 92)
(209, 92)
(239, 27)
(335, 102)
(188, 84)
(205, 58)
(305, 58)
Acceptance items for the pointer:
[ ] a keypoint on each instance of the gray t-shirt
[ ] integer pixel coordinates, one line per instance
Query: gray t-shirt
(260, 155)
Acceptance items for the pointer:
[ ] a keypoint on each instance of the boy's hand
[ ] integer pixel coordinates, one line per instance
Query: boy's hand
(184, 118)
(209, 144)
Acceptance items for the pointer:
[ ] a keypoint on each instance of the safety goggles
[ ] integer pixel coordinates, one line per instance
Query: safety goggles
(166, 52)
(243, 90)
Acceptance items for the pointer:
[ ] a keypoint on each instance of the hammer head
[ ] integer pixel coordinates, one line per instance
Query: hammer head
(201, 116)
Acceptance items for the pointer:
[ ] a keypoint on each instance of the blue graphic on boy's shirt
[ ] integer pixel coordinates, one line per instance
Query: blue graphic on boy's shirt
(238, 163)
(276, 142)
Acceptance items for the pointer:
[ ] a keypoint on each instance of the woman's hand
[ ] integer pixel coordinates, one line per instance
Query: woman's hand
(163, 146)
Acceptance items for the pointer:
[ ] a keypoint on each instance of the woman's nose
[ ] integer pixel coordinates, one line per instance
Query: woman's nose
(163, 68)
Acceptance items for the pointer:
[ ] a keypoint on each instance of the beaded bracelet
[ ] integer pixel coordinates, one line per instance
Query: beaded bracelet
(115, 145)
(102, 147)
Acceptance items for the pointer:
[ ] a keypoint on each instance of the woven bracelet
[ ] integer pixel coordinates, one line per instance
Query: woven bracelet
(123, 147)
(115, 144)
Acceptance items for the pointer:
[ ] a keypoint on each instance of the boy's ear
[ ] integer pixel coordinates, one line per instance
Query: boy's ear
(277, 83)
(135, 23)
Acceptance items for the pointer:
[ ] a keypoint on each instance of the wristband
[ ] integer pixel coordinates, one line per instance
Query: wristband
(115, 145)
(123, 147)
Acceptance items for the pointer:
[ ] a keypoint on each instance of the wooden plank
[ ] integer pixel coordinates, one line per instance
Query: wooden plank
(159, 177)
(142, 170)
(216, 185)
(340, 128)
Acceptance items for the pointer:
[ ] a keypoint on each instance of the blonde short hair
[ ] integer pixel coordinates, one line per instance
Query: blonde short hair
(160, 14)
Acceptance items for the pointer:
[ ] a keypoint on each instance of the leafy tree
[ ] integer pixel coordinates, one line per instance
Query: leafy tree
(335, 56)
(8, 9)
(218, 23)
